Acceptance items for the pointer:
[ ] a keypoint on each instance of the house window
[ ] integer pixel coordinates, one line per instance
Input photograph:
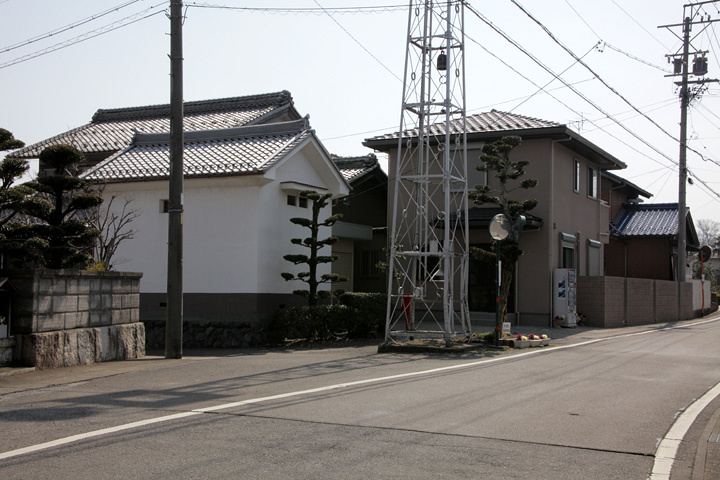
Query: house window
(370, 263)
(592, 182)
(291, 200)
(164, 205)
(302, 202)
(567, 250)
(576, 175)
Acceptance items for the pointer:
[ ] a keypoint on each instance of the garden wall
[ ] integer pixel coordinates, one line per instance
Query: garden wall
(618, 301)
(69, 317)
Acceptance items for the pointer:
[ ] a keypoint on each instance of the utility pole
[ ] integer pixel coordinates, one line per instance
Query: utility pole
(689, 89)
(174, 317)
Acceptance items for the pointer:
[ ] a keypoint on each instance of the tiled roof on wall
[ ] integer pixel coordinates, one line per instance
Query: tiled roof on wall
(652, 219)
(112, 130)
(353, 168)
(225, 152)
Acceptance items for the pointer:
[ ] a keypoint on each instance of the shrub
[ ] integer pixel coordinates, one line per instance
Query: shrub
(370, 308)
(317, 322)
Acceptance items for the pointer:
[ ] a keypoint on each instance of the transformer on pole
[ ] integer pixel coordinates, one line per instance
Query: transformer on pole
(429, 237)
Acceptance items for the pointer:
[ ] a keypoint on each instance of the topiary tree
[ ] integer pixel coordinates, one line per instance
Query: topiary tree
(14, 200)
(314, 246)
(496, 158)
(69, 239)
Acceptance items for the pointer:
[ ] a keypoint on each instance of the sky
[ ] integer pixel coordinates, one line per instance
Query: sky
(344, 70)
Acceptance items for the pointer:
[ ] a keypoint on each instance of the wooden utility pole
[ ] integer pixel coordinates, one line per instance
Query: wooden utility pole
(174, 317)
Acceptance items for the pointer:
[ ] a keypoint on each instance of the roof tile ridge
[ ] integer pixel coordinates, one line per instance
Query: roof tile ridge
(262, 130)
(504, 114)
(305, 121)
(195, 106)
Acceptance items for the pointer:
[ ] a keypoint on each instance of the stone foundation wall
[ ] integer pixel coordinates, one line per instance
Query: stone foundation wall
(205, 335)
(80, 346)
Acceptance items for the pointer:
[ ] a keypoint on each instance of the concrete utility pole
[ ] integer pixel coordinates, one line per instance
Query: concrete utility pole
(694, 14)
(682, 185)
(174, 318)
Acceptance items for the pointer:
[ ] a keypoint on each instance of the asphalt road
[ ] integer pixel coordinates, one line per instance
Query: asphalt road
(595, 405)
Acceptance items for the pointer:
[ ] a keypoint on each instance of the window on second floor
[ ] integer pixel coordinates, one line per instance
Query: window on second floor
(592, 182)
(576, 175)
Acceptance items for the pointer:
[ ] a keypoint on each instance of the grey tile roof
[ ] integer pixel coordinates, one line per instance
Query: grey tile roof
(648, 220)
(234, 151)
(492, 121)
(354, 168)
(112, 130)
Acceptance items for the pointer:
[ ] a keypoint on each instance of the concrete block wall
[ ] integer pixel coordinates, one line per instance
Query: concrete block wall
(601, 300)
(75, 317)
(52, 300)
(666, 301)
(639, 301)
(618, 301)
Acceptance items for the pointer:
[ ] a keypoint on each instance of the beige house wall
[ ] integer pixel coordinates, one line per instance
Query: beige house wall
(561, 209)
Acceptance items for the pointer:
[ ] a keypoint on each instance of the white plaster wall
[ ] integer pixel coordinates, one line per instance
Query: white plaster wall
(219, 229)
(275, 229)
(236, 229)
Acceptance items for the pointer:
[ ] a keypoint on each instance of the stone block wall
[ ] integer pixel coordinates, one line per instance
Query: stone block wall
(72, 317)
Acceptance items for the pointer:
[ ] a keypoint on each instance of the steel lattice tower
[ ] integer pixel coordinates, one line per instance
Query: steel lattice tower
(429, 244)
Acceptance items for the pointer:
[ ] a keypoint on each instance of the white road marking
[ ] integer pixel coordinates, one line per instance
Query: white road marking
(667, 448)
(665, 454)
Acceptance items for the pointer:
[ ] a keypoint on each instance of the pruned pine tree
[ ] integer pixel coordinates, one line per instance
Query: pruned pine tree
(69, 238)
(314, 245)
(14, 200)
(496, 159)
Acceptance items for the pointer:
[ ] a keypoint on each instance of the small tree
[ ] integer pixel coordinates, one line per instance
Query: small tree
(496, 158)
(113, 225)
(69, 239)
(314, 246)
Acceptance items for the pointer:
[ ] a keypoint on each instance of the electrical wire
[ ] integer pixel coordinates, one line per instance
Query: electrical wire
(129, 20)
(601, 80)
(640, 25)
(576, 91)
(66, 27)
(358, 42)
(314, 11)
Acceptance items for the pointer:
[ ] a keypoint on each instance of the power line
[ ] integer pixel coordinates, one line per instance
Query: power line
(601, 80)
(88, 35)
(356, 41)
(640, 25)
(306, 11)
(576, 91)
(66, 27)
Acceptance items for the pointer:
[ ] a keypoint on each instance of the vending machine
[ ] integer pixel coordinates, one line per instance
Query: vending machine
(564, 296)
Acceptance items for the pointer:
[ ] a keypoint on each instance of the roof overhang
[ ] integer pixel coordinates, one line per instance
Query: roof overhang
(560, 133)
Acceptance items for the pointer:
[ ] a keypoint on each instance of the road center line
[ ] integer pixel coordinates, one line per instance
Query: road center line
(128, 426)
